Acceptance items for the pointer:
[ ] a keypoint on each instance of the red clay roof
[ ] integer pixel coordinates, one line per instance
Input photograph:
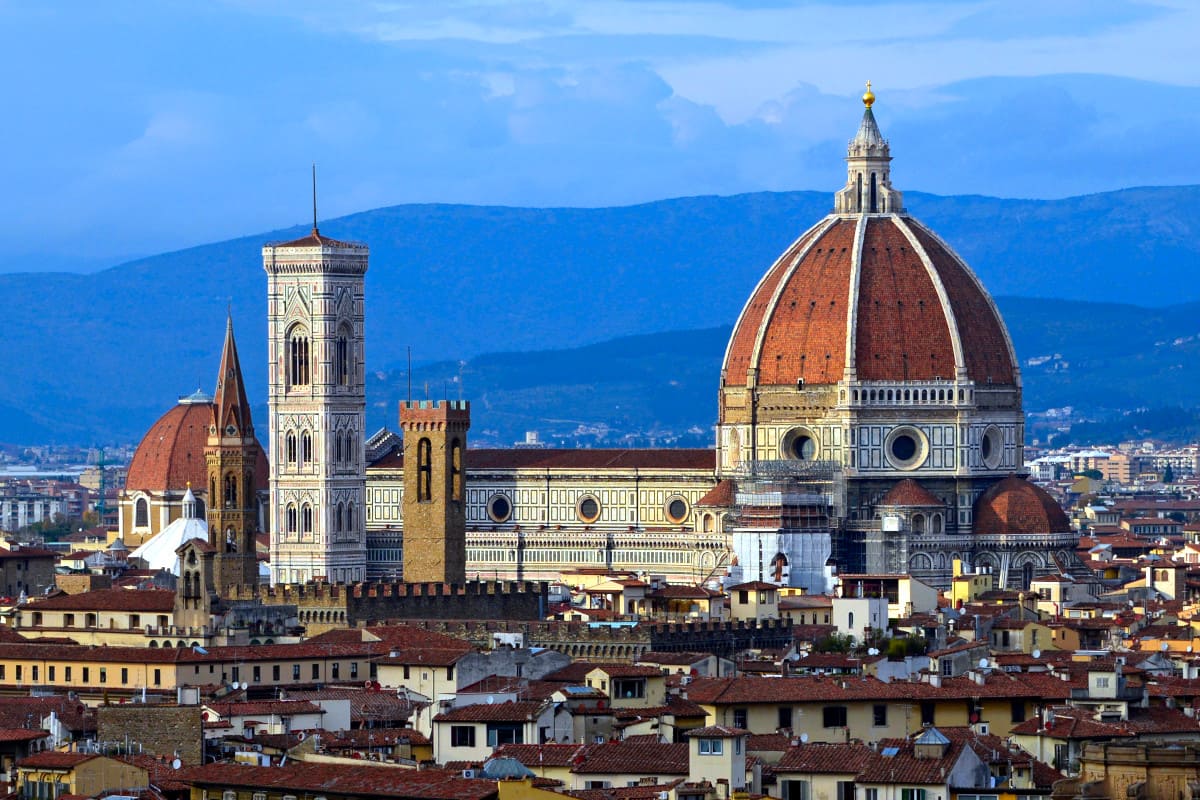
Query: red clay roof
(149, 600)
(171, 454)
(903, 331)
(315, 239)
(520, 711)
(719, 495)
(637, 758)
(358, 780)
(53, 759)
(1016, 506)
(910, 493)
(837, 759)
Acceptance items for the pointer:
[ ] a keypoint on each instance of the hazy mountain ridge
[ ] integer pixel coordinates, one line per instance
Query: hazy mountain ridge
(98, 357)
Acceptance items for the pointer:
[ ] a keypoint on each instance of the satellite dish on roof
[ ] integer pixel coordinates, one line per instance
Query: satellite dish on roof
(1164, 647)
(491, 700)
(1189, 648)
(873, 651)
(176, 763)
(983, 663)
(243, 686)
(804, 738)
(1037, 654)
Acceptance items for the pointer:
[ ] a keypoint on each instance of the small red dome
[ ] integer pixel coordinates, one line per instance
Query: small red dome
(1014, 505)
(880, 294)
(171, 454)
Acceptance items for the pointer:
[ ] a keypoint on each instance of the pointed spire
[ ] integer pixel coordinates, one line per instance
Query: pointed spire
(230, 406)
(868, 188)
(314, 171)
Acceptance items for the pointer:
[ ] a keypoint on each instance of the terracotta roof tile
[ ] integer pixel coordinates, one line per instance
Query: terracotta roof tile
(839, 759)
(149, 600)
(520, 711)
(360, 780)
(637, 758)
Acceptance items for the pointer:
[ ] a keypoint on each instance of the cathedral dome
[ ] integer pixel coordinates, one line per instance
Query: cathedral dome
(868, 294)
(879, 297)
(170, 456)
(1016, 506)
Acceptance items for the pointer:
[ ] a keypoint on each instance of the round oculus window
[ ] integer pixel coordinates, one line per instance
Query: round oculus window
(588, 509)
(991, 447)
(799, 444)
(499, 508)
(677, 510)
(905, 448)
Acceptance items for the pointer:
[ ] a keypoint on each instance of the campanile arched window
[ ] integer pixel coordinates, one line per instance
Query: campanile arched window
(306, 448)
(231, 491)
(298, 357)
(341, 358)
(424, 471)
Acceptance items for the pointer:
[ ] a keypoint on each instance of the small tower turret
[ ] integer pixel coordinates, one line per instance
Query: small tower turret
(868, 188)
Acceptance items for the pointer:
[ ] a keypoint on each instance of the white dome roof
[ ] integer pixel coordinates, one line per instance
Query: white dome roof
(159, 552)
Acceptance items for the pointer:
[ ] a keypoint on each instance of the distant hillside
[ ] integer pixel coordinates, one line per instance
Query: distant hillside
(98, 357)
(1101, 357)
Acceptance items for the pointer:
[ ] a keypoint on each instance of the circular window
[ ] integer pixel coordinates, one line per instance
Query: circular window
(991, 447)
(799, 444)
(499, 508)
(588, 509)
(677, 510)
(906, 448)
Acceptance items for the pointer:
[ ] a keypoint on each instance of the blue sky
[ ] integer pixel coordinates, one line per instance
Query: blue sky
(138, 127)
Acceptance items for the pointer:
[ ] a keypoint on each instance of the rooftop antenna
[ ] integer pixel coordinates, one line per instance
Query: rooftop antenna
(314, 181)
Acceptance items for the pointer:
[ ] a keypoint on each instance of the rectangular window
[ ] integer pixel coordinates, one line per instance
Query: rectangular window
(879, 715)
(462, 735)
(739, 718)
(158, 677)
(797, 790)
(316, 672)
(275, 673)
(927, 709)
(912, 794)
(295, 672)
(256, 674)
(86, 675)
(1018, 710)
(870, 794)
(335, 671)
(712, 747)
(104, 675)
(124, 675)
(50, 674)
(785, 716)
(947, 667)
(407, 672)
(353, 669)
(35, 673)
(66, 674)
(834, 716)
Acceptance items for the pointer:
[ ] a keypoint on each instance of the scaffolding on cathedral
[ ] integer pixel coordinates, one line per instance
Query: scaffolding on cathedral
(784, 520)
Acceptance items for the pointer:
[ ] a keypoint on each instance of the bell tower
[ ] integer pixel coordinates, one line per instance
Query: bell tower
(435, 521)
(317, 408)
(230, 454)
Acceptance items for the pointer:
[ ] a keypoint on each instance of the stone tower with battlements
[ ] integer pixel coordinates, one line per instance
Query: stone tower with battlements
(317, 404)
(435, 442)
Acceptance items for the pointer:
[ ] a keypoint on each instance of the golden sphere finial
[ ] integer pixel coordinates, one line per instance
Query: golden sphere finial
(869, 97)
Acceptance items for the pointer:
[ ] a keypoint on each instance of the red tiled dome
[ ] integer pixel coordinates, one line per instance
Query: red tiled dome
(1014, 505)
(171, 454)
(910, 493)
(891, 300)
